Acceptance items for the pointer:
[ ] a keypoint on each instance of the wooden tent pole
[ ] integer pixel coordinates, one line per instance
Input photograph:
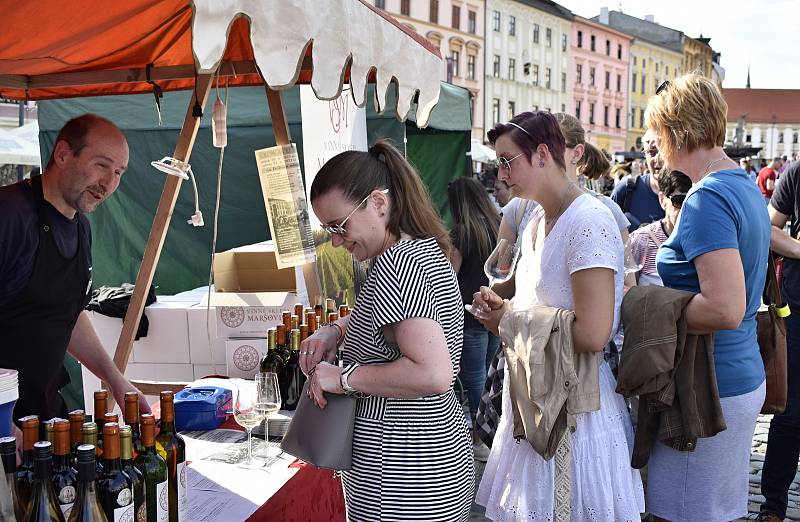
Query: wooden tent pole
(158, 231)
(280, 127)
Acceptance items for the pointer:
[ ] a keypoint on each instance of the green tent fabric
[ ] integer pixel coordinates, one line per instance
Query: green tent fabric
(120, 227)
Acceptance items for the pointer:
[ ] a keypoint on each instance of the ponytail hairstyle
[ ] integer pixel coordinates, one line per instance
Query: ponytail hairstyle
(477, 219)
(357, 174)
(594, 163)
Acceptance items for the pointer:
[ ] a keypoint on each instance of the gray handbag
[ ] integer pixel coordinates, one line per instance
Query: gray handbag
(322, 437)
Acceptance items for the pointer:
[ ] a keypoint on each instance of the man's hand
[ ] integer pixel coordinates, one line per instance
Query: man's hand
(122, 386)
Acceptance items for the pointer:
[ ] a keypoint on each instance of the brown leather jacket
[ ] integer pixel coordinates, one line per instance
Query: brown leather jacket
(671, 370)
(549, 383)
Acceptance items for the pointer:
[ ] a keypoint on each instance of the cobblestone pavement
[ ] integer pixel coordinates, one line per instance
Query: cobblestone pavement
(756, 464)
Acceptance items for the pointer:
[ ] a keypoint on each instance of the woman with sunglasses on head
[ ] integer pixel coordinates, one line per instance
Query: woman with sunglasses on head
(572, 258)
(401, 344)
(645, 241)
(717, 250)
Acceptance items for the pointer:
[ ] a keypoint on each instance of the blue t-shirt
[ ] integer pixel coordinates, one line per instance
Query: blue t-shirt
(644, 208)
(724, 210)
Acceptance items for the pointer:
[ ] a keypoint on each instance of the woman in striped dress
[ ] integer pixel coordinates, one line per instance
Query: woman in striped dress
(412, 456)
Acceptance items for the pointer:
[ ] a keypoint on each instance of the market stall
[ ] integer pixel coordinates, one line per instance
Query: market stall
(154, 46)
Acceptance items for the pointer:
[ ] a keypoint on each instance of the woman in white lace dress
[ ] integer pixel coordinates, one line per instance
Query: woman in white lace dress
(572, 258)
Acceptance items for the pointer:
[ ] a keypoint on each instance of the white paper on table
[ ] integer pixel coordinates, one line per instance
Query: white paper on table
(202, 444)
(251, 485)
(214, 506)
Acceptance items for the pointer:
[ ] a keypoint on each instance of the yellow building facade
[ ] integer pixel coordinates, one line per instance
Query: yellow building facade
(650, 64)
(698, 55)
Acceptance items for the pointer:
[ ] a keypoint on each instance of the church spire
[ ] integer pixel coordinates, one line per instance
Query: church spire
(748, 75)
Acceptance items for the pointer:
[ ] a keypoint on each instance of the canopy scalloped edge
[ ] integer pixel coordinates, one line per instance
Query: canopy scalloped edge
(342, 32)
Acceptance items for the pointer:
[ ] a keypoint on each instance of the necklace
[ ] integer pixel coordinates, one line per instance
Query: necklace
(548, 222)
(710, 164)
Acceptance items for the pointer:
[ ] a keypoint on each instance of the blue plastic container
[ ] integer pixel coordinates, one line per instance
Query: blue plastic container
(201, 407)
(8, 399)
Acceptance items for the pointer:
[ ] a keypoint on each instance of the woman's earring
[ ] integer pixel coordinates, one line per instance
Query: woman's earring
(574, 161)
(541, 164)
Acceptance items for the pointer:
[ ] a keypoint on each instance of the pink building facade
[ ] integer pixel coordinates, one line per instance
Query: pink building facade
(599, 76)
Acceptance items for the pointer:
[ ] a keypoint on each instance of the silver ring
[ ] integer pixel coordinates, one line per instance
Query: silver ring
(310, 352)
(303, 353)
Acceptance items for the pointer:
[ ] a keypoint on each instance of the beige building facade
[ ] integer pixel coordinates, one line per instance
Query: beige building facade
(456, 27)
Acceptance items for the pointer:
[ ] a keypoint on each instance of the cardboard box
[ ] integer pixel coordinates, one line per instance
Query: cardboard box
(244, 356)
(251, 292)
(202, 326)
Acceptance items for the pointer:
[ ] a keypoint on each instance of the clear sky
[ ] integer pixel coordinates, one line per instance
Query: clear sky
(763, 33)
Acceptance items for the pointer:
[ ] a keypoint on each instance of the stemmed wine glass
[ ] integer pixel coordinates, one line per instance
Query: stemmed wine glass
(268, 401)
(500, 265)
(248, 417)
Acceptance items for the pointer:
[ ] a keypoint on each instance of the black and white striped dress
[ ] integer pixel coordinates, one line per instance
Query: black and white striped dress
(412, 458)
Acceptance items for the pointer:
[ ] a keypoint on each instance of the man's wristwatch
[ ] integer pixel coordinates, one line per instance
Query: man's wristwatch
(347, 371)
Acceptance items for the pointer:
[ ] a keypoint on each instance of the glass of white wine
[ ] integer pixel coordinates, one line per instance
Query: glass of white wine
(248, 417)
(268, 401)
(499, 267)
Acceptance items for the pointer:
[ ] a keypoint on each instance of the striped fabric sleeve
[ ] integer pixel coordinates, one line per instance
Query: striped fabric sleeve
(402, 289)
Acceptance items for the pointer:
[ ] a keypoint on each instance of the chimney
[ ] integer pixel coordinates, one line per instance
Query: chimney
(604, 15)
(650, 18)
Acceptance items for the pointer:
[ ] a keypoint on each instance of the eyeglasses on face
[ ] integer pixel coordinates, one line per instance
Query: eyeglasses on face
(340, 229)
(505, 164)
(662, 86)
(677, 200)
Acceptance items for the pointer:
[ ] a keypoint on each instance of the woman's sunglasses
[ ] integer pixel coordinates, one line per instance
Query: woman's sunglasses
(677, 200)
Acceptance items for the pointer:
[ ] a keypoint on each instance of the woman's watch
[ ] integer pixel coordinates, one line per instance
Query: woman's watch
(347, 371)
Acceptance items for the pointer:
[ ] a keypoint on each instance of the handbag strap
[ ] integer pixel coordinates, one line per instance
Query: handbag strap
(772, 293)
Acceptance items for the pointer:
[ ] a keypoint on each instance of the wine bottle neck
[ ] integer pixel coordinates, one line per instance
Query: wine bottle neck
(43, 469)
(27, 458)
(61, 462)
(112, 465)
(168, 426)
(87, 472)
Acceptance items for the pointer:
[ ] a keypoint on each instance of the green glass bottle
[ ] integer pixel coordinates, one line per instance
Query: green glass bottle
(87, 507)
(154, 470)
(114, 486)
(131, 417)
(272, 362)
(65, 477)
(8, 454)
(43, 506)
(294, 379)
(172, 449)
(137, 480)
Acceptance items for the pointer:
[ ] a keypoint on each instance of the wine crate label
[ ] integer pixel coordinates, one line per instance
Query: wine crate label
(183, 493)
(124, 514)
(162, 494)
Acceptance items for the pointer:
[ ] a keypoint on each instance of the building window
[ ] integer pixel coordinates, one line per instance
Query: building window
(456, 24)
(536, 33)
(608, 47)
(455, 57)
(616, 119)
(656, 67)
(644, 82)
(644, 63)
(591, 113)
(496, 66)
(495, 111)
(666, 71)
(526, 68)
(634, 60)
(472, 22)
(564, 43)
(434, 12)
(380, 4)
(512, 26)
(641, 118)
(633, 83)
(592, 47)
(548, 36)
(605, 115)
(512, 69)
(619, 83)
(619, 51)
(633, 117)
(547, 77)
(512, 108)
(563, 82)
(580, 38)
(405, 7)
(536, 75)
(578, 109)
(470, 67)
(591, 76)
(579, 73)
(563, 108)
(496, 21)
(608, 80)
(656, 84)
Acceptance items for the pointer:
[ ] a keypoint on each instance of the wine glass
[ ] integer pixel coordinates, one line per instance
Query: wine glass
(247, 416)
(268, 400)
(500, 265)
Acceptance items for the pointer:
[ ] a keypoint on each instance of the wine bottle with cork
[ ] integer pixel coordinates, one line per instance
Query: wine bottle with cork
(131, 416)
(137, 480)
(154, 470)
(76, 419)
(172, 449)
(272, 362)
(24, 476)
(8, 454)
(293, 377)
(100, 409)
(89, 433)
(43, 506)
(87, 507)
(114, 486)
(65, 477)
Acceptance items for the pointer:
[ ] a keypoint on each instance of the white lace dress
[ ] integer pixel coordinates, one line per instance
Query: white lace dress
(517, 483)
